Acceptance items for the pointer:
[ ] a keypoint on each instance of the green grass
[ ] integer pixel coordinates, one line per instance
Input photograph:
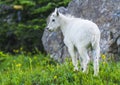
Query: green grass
(42, 70)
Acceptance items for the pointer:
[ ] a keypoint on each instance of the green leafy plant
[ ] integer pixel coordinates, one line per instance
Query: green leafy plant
(42, 70)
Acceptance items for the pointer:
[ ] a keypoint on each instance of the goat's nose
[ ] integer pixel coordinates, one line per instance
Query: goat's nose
(47, 28)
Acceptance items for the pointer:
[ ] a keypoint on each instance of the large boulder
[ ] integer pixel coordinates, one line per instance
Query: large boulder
(105, 13)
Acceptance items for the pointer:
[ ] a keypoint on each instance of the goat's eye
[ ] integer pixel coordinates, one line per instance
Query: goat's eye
(53, 20)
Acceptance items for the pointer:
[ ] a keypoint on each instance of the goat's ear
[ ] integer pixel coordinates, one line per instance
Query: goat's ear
(56, 11)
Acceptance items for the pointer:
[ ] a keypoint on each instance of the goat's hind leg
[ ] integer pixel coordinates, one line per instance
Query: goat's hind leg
(96, 55)
(84, 59)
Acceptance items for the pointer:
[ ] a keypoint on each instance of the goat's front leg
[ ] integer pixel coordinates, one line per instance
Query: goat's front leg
(74, 57)
(72, 53)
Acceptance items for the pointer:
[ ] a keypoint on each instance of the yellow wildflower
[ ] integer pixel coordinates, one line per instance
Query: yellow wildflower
(21, 49)
(18, 65)
(104, 62)
(55, 77)
(103, 56)
(17, 7)
(15, 51)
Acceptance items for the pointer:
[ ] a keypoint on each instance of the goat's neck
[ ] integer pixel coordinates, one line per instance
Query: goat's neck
(64, 22)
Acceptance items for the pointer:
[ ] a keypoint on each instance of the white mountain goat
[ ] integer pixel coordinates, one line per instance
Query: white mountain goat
(79, 36)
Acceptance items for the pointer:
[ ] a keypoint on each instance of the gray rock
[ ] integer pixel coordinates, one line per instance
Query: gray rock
(105, 13)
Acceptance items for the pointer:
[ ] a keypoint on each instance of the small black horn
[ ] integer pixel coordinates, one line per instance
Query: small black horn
(57, 12)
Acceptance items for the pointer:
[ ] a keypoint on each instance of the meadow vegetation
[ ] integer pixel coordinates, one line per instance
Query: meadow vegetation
(40, 69)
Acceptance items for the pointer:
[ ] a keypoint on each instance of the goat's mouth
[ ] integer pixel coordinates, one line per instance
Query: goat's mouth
(50, 30)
